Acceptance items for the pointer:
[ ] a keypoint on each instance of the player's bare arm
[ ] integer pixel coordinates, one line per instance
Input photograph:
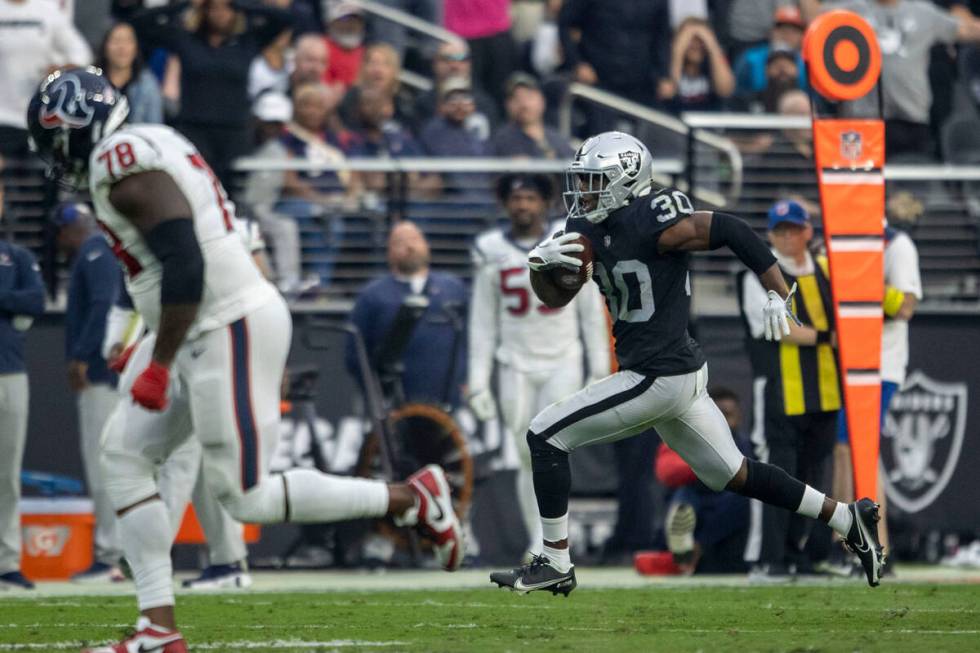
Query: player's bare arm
(155, 205)
(709, 230)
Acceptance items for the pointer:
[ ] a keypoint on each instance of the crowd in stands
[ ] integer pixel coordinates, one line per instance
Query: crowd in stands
(202, 66)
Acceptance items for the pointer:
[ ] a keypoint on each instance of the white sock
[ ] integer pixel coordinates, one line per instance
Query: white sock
(316, 497)
(841, 520)
(560, 559)
(811, 503)
(146, 536)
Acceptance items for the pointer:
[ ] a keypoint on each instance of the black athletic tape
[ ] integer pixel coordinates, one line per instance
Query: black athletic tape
(772, 485)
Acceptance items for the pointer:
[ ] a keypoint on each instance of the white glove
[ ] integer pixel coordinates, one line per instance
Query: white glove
(554, 252)
(775, 312)
(483, 405)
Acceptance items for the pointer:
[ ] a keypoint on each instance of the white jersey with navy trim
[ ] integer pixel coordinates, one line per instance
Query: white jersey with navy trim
(509, 324)
(233, 283)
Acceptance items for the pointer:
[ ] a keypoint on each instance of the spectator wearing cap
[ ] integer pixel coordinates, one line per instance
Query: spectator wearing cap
(345, 42)
(485, 24)
(453, 60)
(700, 77)
(797, 382)
(526, 135)
(782, 75)
(453, 133)
(215, 43)
(21, 300)
(752, 73)
(264, 189)
(119, 58)
(92, 288)
(750, 23)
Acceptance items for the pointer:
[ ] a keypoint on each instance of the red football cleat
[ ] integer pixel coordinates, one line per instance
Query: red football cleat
(436, 517)
(147, 639)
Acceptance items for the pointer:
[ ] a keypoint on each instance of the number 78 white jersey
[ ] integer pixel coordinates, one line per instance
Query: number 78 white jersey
(508, 323)
(233, 284)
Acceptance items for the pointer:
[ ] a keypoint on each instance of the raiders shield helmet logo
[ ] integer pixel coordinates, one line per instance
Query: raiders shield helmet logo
(630, 160)
(922, 440)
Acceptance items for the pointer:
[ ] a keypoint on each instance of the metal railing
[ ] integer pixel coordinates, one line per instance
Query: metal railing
(669, 123)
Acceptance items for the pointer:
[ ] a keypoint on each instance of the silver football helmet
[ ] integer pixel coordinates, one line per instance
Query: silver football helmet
(608, 171)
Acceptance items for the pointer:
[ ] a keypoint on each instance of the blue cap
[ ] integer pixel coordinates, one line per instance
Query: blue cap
(787, 211)
(68, 213)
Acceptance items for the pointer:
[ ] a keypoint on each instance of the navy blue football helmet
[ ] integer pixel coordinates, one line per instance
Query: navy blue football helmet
(70, 113)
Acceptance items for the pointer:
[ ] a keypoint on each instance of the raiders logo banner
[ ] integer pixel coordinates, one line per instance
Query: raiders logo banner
(922, 440)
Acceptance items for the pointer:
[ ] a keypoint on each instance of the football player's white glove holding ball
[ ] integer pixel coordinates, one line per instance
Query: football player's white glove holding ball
(775, 314)
(555, 251)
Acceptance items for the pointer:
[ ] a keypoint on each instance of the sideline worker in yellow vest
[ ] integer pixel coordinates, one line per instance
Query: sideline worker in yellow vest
(799, 387)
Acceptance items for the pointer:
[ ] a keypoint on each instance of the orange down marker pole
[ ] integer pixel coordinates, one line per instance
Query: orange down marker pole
(844, 63)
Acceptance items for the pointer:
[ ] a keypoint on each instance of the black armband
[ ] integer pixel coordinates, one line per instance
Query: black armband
(728, 230)
(174, 243)
(824, 338)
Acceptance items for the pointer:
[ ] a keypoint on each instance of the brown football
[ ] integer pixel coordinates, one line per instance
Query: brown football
(570, 279)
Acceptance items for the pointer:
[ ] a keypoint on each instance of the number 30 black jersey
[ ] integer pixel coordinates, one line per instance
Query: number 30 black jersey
(648, 293)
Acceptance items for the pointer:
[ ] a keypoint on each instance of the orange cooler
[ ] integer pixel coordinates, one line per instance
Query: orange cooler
(56, 537)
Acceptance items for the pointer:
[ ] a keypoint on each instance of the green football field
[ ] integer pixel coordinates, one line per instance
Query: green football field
(677, 616)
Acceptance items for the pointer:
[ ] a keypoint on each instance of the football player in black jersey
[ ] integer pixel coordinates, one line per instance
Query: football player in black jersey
(642, 240)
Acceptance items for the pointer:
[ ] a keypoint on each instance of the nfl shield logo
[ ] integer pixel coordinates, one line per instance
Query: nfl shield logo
(850, 145)
(922, 440)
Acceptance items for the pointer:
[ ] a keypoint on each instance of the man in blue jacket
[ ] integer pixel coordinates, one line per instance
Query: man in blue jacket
(92, 289)
(21, 300)
(433, 362)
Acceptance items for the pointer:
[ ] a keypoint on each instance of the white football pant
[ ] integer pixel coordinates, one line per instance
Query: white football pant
(627, 403)
(229, 391)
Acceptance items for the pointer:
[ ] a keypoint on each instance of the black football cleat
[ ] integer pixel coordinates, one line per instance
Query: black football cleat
(862, 539)
(537, 575)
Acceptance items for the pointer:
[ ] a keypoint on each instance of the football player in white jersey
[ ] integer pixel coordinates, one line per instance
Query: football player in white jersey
(537, 351)
(222, 332)
(129, 348)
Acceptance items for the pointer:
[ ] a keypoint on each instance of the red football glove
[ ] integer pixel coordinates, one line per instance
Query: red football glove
(150, 388)
(118, 364)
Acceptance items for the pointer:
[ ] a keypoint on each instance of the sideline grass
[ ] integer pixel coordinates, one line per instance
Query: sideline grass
(796, 618)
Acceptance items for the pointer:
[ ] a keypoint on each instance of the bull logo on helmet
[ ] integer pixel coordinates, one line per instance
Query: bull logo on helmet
(67, 104)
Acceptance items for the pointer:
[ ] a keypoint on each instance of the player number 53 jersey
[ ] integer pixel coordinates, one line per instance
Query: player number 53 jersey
(510, 324)
(234, 285)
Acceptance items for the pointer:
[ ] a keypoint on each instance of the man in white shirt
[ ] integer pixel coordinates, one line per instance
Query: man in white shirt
(35, 36)
(537, 350)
